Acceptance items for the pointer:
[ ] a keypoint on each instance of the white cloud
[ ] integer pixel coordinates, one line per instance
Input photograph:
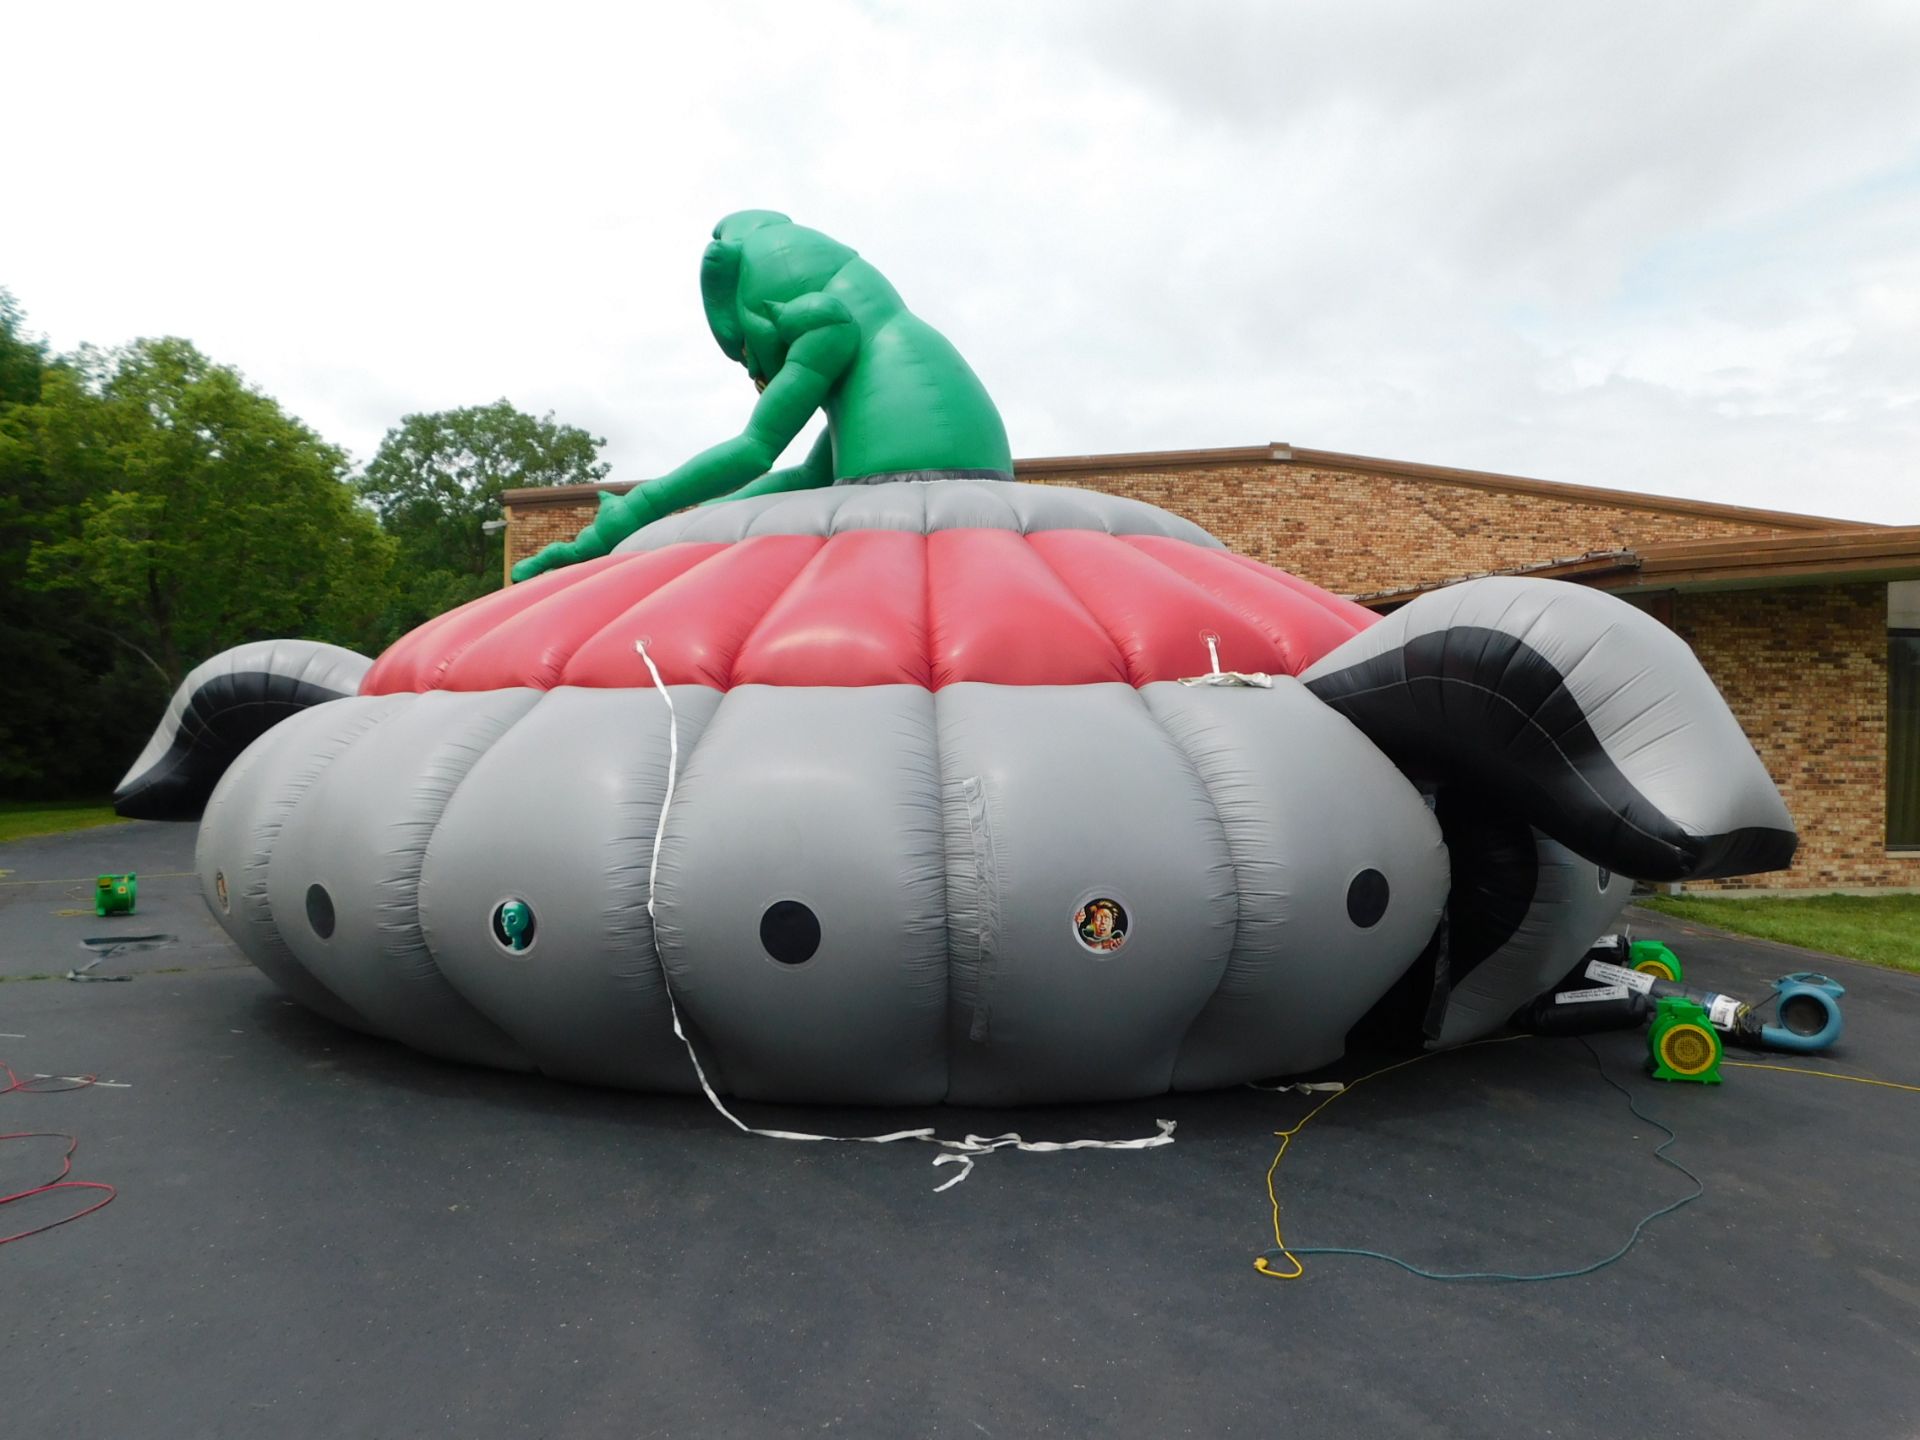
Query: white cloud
(1654, 246)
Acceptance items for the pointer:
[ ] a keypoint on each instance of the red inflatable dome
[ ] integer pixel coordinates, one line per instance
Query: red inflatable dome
(882, 607)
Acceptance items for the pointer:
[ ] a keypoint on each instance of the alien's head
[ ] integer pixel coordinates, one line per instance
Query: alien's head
(764, 254)
(515, 919)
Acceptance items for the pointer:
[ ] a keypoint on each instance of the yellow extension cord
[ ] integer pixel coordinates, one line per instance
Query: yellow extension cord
(1286, 1136)
(1823, 1074)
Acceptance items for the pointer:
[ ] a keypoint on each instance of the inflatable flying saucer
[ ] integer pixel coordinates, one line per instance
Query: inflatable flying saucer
(985, 793)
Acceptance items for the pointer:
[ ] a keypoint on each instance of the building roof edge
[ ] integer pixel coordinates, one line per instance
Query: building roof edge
(1280, 454)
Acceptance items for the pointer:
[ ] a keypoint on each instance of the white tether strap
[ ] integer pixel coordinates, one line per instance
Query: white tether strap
(958, 1152)
(1254, 680)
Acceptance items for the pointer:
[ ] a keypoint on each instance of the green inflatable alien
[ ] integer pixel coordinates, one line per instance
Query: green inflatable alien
(817, 328)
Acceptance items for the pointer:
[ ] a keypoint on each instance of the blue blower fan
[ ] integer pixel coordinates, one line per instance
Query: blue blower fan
(1809, 1013)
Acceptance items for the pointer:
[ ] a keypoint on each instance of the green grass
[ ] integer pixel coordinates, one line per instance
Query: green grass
(1880, 929)
(21, 818)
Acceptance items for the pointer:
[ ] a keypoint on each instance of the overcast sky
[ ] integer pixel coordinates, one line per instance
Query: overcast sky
(1663, 247)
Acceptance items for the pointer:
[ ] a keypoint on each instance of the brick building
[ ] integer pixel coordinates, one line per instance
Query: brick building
(1809, 626)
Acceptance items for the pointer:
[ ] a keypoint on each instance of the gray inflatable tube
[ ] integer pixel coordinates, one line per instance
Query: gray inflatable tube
(947, 825)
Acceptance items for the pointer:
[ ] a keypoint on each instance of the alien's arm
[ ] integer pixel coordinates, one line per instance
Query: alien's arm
(810, 474)
(822, 341)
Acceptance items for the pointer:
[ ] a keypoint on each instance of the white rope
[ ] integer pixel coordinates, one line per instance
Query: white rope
(958, 1152)
(1254, 680)
(88, 1081)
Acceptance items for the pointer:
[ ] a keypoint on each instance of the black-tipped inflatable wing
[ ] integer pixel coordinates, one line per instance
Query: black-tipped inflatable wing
(1585, 716)
(222, 707)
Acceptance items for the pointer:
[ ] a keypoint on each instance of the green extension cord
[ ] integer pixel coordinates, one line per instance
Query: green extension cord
(1281, 1250)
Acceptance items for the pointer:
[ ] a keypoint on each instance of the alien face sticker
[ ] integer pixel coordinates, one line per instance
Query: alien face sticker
(1101, 925)
(513, 925)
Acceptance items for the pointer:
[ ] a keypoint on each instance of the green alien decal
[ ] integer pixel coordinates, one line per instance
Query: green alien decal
(513, 924)
(817, 328)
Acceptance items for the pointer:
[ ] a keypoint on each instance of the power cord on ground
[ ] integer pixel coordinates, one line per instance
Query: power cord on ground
(1291, 1255)
(38, 1086)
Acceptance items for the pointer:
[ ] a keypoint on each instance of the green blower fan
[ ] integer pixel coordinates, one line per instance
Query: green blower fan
(1682, 1043)
(115, 894)
(1650, 957)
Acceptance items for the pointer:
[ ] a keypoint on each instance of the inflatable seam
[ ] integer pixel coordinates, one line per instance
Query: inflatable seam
(986, 872)
(1100, 622)
(428, 676)
(1292, 662)
(1001, 498)
(299, 785)
(1233, 859)
(659, 589)
(773, 604)
(263, 839)
(545, 602)
(408, 880)
(940, 793)
(691, 733)
(755, 526)
(1337, 606)
(688, 747)
(1304, 594)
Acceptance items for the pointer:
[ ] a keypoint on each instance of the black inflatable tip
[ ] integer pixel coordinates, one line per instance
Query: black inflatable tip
(1752, 851)
(165, 797)
(223, 716)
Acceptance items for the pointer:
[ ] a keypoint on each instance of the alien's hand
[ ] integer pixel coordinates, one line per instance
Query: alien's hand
(551, 558)
(618, 517)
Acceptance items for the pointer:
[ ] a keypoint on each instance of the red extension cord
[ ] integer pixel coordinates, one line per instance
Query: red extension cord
(60, 1181)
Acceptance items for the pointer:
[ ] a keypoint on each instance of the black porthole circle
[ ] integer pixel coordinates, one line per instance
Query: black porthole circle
(1367, 899)
(790, 932)
(320, 911)
(1606, 879)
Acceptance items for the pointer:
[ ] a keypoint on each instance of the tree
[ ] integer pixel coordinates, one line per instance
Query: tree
(51, 740)
(21, 360)
(437, 478)
(207, 515)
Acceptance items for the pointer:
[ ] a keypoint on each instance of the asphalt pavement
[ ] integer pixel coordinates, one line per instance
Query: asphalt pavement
(319, 1234)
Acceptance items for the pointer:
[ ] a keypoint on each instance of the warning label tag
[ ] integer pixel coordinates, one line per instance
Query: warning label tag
(1723, 1012)
(1602, 992)
(1619, 975)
